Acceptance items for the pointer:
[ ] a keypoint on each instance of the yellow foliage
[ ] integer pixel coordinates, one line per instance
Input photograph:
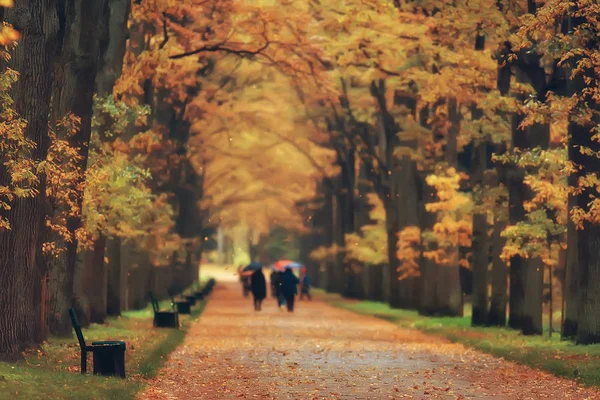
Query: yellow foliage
(409, 252)
(453, 209)
(370, 245)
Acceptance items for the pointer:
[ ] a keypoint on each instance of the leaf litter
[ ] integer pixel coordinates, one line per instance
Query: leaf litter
(321, 352)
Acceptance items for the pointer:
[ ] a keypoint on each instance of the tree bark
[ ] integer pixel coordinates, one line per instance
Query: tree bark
(117, 278)
(569, 328)
(95, 281)
(480, 244)
(480, 241)
(449, 288)
(588, 239)
(73, 93)
(113, 35)
(499, 275)
(38, 23)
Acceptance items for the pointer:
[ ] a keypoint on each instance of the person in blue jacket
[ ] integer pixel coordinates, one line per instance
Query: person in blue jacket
(305, 290)
(289, 288)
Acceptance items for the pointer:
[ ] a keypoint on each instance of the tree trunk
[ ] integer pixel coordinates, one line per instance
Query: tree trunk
(571, 295)
(113, 44)
(38, 23)
(96, 280)
(449, 287)
(499, 275)
(391, 288)
(117, 278)
(480, 245)
(73, 93)
(588, 239)
(113, 35)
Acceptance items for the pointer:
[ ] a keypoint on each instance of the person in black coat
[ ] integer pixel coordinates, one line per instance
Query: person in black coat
(258, 286)
(289, 288)
(276, 283)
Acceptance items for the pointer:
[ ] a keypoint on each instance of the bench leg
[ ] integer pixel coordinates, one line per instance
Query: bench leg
(83, 362)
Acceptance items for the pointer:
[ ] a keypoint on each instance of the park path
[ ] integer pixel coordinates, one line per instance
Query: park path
(321, 352)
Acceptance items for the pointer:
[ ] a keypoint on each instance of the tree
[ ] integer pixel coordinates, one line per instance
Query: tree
(38, 24)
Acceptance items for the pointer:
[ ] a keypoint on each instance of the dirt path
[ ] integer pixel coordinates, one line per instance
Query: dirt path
(322, 352)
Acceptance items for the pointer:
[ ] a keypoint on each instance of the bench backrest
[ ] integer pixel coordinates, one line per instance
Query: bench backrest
(154, 303)
(77, 328)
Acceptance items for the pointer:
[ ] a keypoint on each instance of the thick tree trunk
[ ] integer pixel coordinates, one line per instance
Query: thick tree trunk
(21, 278)
(571, 295)
(113, 35)
(588, 239)
(139, 282)
(117, 278)
(73, 93)
(113, 44)
(391, 289)
(499, 275)
(480, 244)
(95, 281)
(449, 288)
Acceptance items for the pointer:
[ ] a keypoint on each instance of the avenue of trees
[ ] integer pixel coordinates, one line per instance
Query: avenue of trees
(400, 142)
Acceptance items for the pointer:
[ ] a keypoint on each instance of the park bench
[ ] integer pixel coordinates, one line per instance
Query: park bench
(182, 306)
(108, 356)
(208, 288)
(190, 298)
(164, 318)
(197, 292)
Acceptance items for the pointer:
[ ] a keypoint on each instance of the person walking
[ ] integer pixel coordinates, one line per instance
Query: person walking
(305, 290)
(289, 288)
(258, 285)
(276, 287)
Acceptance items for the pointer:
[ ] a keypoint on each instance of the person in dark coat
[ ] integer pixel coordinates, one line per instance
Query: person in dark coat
(258, 285)
(289, 288)
(276, 287)
(305, 290)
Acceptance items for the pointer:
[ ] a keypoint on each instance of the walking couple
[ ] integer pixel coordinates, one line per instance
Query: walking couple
(285, 285)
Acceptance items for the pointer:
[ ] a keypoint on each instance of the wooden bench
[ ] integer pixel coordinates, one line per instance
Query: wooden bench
(190, 298)
(108, 356)
(164, 318)
(182, 306)
(208, 288)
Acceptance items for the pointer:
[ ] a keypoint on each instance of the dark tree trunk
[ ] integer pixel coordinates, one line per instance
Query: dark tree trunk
(571, 295)
(525, 274)
(449, 288)
(96, 280)
(480, 243)
(499, 275)
(139, 282)
(113, 35)
(73, 92)
(429, 268)
(117, 278)
(20, 321)
(587, 275)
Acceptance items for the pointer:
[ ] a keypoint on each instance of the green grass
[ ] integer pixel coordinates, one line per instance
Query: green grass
(561, 358)
(52, 371)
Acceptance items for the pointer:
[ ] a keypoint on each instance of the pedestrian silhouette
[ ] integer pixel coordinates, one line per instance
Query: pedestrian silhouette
(289, 288)
(258, 286)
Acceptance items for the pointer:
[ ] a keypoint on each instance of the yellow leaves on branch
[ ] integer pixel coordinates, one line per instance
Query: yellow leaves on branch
(326, 253)
(15, 151)
(370, 246)
(8, 35)
(453, 209)
(409, 252)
